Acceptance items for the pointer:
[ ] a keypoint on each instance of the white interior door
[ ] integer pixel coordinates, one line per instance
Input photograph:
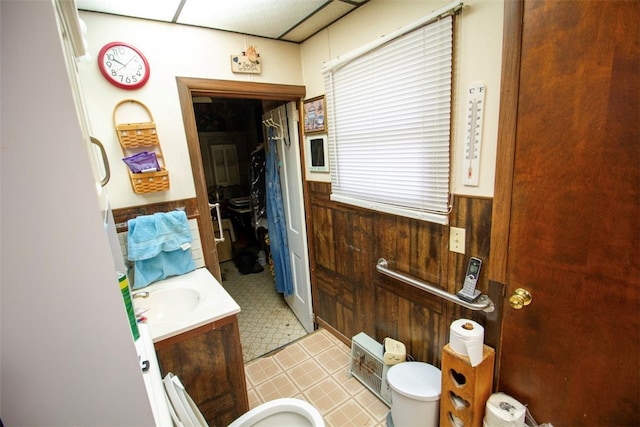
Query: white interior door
(293, 202)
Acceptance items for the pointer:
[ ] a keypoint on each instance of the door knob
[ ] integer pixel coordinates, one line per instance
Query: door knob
(520, 298)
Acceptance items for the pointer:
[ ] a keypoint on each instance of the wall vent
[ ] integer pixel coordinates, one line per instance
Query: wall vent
(367, 366)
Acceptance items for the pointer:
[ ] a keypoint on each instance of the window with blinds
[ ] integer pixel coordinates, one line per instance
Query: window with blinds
(389, 114)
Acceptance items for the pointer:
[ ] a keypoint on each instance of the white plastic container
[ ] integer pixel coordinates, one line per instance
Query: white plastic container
(415, 394)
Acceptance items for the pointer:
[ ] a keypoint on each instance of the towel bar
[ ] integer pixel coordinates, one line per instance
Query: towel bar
(483, 302)
(217, 206)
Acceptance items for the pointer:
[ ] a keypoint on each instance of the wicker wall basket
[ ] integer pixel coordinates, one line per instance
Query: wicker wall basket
(135, 138)
(149, 182)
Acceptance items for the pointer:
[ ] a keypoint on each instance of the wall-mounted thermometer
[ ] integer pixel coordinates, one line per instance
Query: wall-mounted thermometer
(475, 112)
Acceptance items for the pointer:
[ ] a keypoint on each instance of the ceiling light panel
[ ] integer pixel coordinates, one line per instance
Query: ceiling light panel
(267, 18)
(320, 20)
(163, 10)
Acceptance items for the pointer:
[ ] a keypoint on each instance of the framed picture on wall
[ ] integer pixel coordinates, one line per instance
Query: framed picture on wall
(318, 159)
(314, 117)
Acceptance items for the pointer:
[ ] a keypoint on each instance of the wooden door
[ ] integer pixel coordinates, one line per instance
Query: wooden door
(566, 210)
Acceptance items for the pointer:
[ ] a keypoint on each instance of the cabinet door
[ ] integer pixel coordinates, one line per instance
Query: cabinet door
(209, 362)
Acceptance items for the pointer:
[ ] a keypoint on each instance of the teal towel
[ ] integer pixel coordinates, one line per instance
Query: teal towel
(163, 265)
(161, 232)
(155, 244)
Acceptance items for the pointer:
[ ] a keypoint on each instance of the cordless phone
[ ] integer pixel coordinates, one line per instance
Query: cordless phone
(469, 293)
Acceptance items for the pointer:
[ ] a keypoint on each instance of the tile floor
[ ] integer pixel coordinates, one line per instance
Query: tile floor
(265, 321)
(310, 367)
(314, 369)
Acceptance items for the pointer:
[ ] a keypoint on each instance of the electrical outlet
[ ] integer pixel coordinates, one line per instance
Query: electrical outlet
(456, 239)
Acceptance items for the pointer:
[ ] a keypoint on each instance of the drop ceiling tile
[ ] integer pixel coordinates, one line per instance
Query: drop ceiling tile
(320, 20)
(259, 17)
(148, 9)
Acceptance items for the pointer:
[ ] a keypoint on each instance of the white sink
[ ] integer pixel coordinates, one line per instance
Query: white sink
(165, 304)
(182, 303)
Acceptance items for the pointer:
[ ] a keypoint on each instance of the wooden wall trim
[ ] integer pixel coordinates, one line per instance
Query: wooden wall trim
(237, 89)
(188, 86)
(195, 156)
(509, 88)
(505, 160)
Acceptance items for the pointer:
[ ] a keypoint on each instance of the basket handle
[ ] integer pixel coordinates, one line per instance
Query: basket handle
(115, 109)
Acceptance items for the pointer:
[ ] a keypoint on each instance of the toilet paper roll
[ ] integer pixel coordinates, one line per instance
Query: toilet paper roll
(503, 410)
(466, 337)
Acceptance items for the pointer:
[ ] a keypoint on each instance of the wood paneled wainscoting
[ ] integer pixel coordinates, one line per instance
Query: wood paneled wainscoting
(350, 296)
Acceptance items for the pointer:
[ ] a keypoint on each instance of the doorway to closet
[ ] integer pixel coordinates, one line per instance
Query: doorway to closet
(223, 123)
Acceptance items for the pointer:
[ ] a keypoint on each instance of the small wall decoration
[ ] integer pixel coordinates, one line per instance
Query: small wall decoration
(249, 62)
(318, 153)
(314, 117)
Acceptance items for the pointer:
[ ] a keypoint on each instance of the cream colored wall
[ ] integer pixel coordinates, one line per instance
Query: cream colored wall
(478, 57)
(172, 50)
(176, 50)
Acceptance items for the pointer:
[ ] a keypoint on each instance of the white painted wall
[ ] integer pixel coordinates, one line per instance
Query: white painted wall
(478, 56)
(67, 355)
(172, 51)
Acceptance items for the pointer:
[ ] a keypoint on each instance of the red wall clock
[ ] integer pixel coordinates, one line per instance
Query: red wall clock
(123, 65)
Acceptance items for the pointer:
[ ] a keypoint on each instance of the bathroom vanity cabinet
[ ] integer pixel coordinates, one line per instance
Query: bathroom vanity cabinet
(208, 360)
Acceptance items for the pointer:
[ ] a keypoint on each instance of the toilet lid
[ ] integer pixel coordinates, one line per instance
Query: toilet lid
(185, 408)
(416, 380)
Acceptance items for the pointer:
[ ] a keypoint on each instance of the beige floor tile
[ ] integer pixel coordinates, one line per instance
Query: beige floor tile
(326, 395)
(277, 387)
(333, 359)
(314, 369)
(317, 345)
(261, 370)
(254, 399)
(372, 404)
(291, 356)
(349, 414)
(307, 373)
(333, 339)
(348, 382)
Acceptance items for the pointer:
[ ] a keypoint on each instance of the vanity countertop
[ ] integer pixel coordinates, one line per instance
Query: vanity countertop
(181, 303)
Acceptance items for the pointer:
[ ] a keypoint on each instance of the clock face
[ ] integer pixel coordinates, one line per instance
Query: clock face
(123, 65)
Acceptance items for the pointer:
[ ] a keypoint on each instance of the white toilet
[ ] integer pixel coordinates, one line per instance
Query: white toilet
(281, 412)
(276, 413)
(415, 395)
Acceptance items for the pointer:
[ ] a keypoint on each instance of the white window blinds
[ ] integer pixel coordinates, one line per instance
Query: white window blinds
(388, 113)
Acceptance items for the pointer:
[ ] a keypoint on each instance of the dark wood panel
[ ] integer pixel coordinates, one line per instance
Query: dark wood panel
(350, 296)
(474, 215)
(322, 239)
(352, 231)
(417, 325)
(210, 367)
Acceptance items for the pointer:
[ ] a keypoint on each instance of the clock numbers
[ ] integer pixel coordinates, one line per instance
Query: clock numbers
(124, 66)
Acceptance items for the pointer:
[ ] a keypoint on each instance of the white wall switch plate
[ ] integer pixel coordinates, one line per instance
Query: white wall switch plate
(456, 239)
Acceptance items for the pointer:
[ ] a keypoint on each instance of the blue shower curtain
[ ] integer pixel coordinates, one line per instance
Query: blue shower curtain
(278, 242)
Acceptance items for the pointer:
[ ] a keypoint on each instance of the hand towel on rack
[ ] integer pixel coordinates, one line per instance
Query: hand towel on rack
(159, 246)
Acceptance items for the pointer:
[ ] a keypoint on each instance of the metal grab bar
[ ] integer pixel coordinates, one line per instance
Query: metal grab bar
(483, 302)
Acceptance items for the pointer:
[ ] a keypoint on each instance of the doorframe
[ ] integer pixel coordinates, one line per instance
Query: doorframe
(187, 87)
(505, 157)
